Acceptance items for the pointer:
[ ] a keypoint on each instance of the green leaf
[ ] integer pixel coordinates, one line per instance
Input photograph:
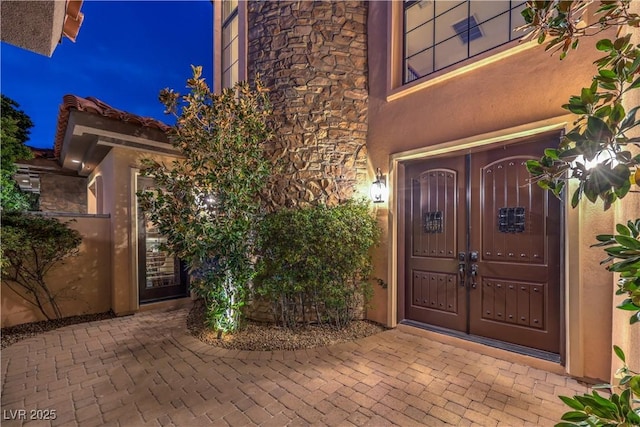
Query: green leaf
(602, 387)
(621, 42)
(604, 45)
(603, 111)
(609, 74)
(623, 189)
(623, 230)
(608, 85)
(551, 153)
(575, 199)
(576, 109)
(572, 403)
(617, 113)
(635, 65)
(628, 242)
(574, 416)
(541, 38)
(597, 129)
(633, 417)
(619, 353)
(534, 168)
(630, 120)
(587, 96)
(627, 304)
(591, 193)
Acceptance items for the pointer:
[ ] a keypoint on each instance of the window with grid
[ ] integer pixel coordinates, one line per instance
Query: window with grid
(441, 33)
(230, 43)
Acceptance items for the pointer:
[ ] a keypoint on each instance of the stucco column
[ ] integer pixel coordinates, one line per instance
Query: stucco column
(624, 335)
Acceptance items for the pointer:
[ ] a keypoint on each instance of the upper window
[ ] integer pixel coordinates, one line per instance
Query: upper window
(438, 34)
(230, 43)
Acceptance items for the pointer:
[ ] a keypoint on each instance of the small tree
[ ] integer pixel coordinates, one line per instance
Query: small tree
(31, 246)
(14, 132)
(207, 204)
(603, 134)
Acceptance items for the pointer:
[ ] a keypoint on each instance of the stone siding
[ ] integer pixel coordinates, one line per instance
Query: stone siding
(61, 193)
(313, 58)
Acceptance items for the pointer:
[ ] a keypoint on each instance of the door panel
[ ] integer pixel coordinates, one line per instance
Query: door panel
(515, 229)
(436, 234)
(484, 203)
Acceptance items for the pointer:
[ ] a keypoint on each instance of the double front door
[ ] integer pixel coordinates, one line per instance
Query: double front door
(483, 247)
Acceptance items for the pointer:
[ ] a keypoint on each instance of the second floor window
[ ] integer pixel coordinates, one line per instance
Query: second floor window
(230, 43)
(438, 33)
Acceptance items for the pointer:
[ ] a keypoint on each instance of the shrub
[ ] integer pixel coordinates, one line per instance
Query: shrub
(315, 262)
(207, 203)
(31, 246)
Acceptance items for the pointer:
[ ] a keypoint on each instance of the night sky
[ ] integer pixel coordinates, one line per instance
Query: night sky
(125, 53)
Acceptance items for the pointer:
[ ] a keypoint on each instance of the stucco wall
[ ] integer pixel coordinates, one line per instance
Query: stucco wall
(524, 88)
(84, 281)
(36, 26)
(118, 176)
(61, 193)
(627, 336)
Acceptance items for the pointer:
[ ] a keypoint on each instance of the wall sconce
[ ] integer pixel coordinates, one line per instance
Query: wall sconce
(606, 156)
(378, 188)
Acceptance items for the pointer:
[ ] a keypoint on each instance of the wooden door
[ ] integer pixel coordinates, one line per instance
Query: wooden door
(515, 228)
(435, 235)
(483, 247)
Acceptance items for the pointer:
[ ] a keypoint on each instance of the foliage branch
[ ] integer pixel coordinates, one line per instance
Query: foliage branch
(624, 248)
(14, 132)
(207, 203)
(315, 262)
(601, 133)
(604, 134)
(31, 246)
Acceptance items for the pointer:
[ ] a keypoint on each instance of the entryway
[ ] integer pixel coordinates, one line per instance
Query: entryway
(160, 275)
(482, 247)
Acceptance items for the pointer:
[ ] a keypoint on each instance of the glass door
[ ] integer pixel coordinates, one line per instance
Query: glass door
(161, 276)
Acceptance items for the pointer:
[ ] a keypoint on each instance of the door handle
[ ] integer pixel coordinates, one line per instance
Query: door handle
(462, 268)
(474, 274)
(462, 273)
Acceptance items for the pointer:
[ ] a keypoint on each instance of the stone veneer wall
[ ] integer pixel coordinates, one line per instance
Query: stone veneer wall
(313, 58)
(61, 193)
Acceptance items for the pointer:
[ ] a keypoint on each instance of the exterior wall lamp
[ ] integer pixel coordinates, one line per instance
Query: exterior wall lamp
(378, 188)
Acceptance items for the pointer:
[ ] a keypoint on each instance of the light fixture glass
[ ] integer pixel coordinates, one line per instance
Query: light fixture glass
(378, 188)
(206, 202)
(606, 155)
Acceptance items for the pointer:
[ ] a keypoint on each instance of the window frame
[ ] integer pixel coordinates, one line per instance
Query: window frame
(407, 4)
(227, 22)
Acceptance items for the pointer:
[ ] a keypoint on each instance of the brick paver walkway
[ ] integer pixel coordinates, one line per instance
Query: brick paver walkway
(145, 370)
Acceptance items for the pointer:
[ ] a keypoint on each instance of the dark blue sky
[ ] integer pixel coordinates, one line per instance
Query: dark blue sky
(125, 53)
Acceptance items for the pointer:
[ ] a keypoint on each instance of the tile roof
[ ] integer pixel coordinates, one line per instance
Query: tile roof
(95, 106)
(73, 19)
